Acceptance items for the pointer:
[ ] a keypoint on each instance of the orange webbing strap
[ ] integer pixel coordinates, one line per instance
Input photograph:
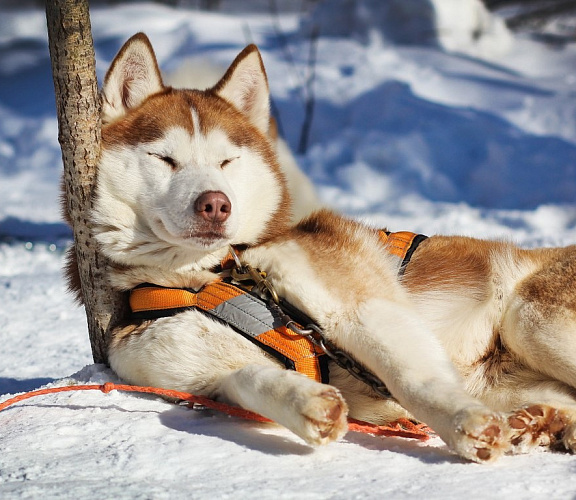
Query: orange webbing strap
(244, 312)
(400, 428)
(299, 349)
(401, 244)
(146, 298)
(398, 243)
(217, 293)
(150, 298)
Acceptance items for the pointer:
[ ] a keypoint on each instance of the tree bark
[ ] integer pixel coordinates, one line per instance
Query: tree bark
(78, 110)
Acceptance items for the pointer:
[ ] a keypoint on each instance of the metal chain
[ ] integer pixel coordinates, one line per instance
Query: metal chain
(315, 335)
(312, 331)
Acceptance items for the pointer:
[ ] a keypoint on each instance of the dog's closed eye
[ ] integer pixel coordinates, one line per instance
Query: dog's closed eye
(227, 162)
(166, 159)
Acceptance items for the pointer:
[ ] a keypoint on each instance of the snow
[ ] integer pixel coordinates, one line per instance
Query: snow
(463, 128)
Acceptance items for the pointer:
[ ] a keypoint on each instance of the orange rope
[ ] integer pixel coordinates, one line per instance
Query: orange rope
(401, 428)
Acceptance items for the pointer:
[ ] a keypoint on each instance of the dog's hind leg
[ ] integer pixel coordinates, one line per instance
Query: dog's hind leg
(315, 412)
(539, 329)
(540, 323)
(541, 411)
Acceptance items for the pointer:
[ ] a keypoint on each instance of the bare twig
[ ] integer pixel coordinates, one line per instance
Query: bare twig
(310, 95)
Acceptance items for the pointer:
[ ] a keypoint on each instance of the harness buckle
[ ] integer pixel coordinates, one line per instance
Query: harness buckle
(245, 272)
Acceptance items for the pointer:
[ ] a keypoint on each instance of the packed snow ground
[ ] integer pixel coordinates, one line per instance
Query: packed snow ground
(438, 133)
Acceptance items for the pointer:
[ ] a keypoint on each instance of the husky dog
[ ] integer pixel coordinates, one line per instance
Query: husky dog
(477, 339)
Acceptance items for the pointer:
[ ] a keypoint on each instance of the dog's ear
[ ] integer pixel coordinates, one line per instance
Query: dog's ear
(132, 78)
(246, 87)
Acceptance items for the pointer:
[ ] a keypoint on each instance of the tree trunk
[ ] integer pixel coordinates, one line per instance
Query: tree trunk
(78, 110)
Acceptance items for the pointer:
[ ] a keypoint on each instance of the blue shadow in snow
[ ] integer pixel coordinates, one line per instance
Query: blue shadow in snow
(15, 386)
(13, 230)
(30, 90)
(445, 153)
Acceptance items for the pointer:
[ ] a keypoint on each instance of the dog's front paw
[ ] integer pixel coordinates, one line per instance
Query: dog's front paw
(542, 425)
(324, 416)
(480, 435)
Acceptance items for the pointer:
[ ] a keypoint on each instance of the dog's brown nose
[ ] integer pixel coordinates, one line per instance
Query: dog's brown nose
(214, 206)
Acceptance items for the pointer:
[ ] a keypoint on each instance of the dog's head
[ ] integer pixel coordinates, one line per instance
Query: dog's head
(185, 173)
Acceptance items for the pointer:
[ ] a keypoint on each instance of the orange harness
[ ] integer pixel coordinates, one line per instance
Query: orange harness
(243, 311)
(240, 308)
